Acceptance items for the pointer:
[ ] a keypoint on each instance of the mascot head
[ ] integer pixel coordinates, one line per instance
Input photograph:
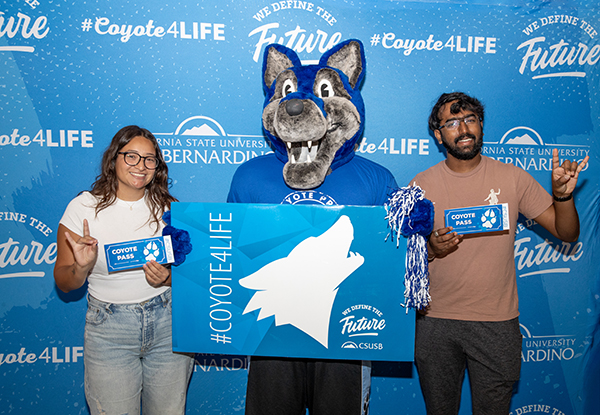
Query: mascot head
(313, 114)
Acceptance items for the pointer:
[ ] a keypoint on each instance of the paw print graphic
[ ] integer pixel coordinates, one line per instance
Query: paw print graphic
(488, 218)
(151, 251)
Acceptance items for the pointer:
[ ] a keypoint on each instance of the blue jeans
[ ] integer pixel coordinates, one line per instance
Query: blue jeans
(128, 358)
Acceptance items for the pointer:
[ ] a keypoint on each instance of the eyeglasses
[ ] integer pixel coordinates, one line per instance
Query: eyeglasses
(452, 125)
(133, 159)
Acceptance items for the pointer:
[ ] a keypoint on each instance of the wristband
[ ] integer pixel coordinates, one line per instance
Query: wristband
(562, 199)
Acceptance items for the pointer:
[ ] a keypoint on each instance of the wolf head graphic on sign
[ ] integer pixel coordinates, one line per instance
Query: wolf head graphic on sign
(300, 289)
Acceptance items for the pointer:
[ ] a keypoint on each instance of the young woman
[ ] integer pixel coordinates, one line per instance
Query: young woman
(127, 348)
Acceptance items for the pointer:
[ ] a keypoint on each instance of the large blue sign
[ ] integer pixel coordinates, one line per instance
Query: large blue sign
(294, 281)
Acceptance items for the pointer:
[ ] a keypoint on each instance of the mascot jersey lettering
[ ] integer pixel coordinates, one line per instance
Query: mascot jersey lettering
(359, 182)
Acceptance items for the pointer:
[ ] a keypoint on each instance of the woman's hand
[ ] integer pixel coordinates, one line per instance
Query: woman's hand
(76, 256)
(85, 248)
(156, 274)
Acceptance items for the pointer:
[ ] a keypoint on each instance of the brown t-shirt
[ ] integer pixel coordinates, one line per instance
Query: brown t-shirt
(477, 282)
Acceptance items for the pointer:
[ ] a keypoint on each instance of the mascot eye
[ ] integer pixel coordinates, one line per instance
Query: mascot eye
(288, 87)
(325, 90)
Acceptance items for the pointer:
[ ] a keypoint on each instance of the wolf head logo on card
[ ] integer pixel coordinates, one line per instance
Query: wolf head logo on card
(300, 289)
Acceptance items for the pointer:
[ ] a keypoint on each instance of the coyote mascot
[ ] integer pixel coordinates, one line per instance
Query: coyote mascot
(313, 117)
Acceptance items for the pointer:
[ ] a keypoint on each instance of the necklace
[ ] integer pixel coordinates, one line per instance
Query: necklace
(130, 204)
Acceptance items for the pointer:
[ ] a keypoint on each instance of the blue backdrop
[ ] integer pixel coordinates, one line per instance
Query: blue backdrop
(73, 72)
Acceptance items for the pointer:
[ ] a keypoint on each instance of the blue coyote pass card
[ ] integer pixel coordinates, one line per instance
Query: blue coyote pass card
(134, 254)
(476, 219)
(290, 280)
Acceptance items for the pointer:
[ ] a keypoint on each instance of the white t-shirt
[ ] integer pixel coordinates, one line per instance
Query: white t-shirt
(122, 221)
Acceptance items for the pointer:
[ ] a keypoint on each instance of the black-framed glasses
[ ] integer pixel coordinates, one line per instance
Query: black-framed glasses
(452, 125)
(132, 159)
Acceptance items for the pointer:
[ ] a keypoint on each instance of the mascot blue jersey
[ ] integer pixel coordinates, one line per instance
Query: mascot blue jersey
(359, 182)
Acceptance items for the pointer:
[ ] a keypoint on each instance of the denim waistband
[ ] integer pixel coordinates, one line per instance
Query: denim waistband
(160, 300)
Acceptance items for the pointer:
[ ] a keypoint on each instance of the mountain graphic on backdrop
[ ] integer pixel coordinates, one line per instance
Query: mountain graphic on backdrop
(523, 140)
(203, 130)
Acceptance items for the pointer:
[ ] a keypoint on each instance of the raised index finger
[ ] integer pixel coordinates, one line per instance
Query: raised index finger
(555, 161)
(86, 228)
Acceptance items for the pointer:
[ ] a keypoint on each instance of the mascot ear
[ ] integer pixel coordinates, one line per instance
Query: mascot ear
(349, 58)
(277, 58)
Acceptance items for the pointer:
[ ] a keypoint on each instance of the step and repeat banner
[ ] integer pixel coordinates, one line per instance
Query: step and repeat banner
(72, 73)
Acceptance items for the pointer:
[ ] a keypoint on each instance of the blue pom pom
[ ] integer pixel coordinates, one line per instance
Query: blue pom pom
(180, 240)
(168, 230)
(420, 220)
(411, 215)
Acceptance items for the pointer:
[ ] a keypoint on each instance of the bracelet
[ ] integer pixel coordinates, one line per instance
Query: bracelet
(165, 280)
(430, 258)
(562, 199)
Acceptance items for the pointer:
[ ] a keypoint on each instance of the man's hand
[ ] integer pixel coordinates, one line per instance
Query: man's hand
(443, 241)
(564, 177)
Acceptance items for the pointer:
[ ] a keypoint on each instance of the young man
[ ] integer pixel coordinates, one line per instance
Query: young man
(472, 320)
